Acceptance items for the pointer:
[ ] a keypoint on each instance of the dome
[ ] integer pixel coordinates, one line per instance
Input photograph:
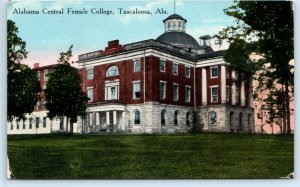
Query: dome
(174, 16)
(179, 39)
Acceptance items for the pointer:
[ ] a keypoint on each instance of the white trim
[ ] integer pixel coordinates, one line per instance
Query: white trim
(210, 72)
(177, 91)
(134, 55)
(165, 89)
(210, 88)
(204, 86)
(210, 62)
(87, 91)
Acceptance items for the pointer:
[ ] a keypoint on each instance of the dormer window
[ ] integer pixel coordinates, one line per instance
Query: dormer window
(112, 71)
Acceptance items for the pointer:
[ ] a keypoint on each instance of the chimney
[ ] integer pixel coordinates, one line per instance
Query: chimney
(36, 65)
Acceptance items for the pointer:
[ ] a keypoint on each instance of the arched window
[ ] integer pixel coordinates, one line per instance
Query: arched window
(231, 121)
(249, 122)
(188, 119)
(137, 117)
(112, 71)
(240, 121)
(163, 117)
(176, 116)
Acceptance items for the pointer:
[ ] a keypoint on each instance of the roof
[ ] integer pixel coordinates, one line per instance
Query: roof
(174, 16)
(180, 39)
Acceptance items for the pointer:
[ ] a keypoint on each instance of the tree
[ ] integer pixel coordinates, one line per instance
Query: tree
(265, 28)
(23, 86)
(63, 92)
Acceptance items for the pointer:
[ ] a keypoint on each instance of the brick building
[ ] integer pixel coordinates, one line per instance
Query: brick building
(167, 85)
(37, 122)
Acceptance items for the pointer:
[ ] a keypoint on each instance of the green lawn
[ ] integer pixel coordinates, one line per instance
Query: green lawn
(150, 156)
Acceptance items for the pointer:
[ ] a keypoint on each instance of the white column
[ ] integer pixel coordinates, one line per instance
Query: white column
(115, 120)
(107, 122)
(114, 117)
(97, 119)
(204, 87)
(233, 88)
(223, 84)
(107, 118)
(91, 119)
(243, 93)
(251, 93)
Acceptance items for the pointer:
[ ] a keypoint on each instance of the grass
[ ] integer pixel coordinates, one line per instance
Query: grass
(202, 156)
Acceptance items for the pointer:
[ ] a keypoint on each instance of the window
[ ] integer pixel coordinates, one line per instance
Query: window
(188, 119)
(90, 72)
(113, 93)
(136, 90)
(212, 118)
(112, 71)
(30, 123)
(175, 69)
(169, 25)
(136, 66)
(187, 72)
(163, 117)
(179, 25)
(237, 95)
(44, 104)
(38, 75)
(137, 117)
(37, 105)
(214, 72)
(227, 94)
(24, 123)
(175, 92)
(44, 122)
(187, 94)
(18, 124)
(112, 90)
(214, 94)
(61, 124)
(90, 94)
(162, 66)
(162, 90)
(45, 75)
(37, 122)
(173, 25)
(176, 114)
(11, 126)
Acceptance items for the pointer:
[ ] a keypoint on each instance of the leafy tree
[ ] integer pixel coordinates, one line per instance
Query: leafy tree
(63, 93)
(265, 28)
(22, 84)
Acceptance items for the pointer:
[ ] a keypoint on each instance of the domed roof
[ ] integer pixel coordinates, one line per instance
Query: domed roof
(179, 39)
(174, 16)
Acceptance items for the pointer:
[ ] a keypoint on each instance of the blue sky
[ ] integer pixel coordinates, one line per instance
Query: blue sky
(48, 35)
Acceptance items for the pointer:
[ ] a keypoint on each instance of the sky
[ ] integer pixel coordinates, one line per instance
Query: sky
(47, 35)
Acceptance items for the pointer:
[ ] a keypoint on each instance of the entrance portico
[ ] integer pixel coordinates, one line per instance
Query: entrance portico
(105, 118)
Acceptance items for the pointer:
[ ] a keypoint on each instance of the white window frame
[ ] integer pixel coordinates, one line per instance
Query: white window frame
(135, 67)
(187, 100)
(45, 76)
(91, 97)
(211, 95)
(38, 75)
(177, 97)
(176, 69)
(214, 67)
(134, 115)
(133, 92)
(164, 89)
(189, 74)
(108, 74)
(90, 73)
(164, 62)
(108, 86)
